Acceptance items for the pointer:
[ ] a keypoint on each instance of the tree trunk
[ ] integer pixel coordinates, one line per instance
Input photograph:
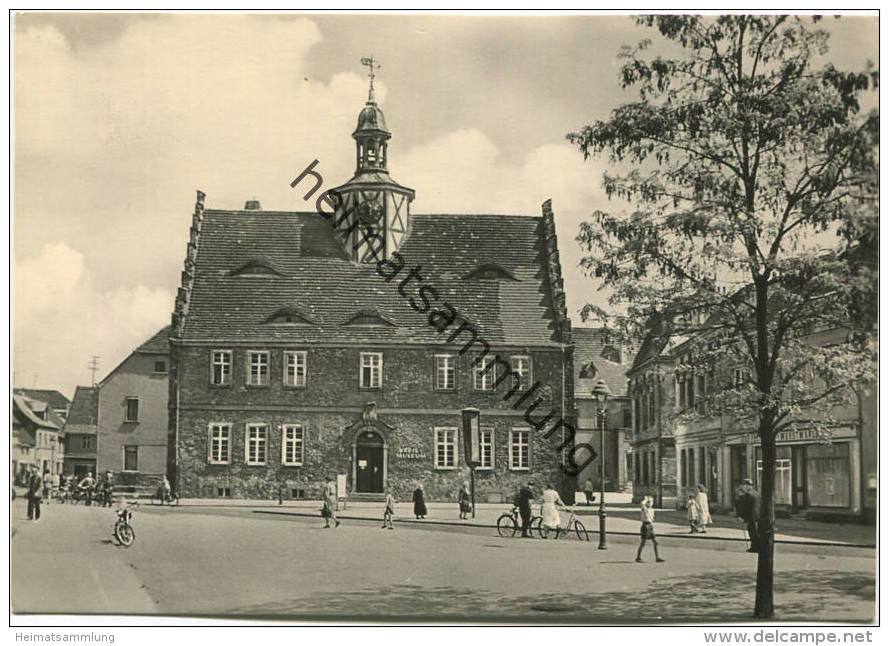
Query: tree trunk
(765, 570)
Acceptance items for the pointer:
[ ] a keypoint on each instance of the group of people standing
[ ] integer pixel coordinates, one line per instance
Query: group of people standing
(697, 509)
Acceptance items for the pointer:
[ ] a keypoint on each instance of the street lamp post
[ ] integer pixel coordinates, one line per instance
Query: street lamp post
(601, 392)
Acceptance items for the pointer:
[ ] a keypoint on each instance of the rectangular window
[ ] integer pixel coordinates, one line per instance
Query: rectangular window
(702, 392)
(445, 372)
(740, 377)
(221, 367)
(220, 443)
(86, 442)
(223, 492)
(636, 468)
(446, 448)
(371, 369)
(702, 467)
(257, 439)
(521, 366)
(683, 469)
(829, 475)
(295, 369)
(690, 456)
(683, 393)
(258, 368)
(292, 445)
(484, 374)
(645, 468)
(486, 448)
(520, 450)
(131, 458)
(160, 367)
(132, 411)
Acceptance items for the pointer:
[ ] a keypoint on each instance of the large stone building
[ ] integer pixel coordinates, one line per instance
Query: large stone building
(346, 340)
(133, 414)
(674, 452)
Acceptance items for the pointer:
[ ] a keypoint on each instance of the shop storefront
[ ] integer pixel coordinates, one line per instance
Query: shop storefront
(809, 473)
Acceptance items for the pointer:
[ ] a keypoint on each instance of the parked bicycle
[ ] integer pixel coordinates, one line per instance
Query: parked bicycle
(123, 527)
(573, 524)
(510, 523)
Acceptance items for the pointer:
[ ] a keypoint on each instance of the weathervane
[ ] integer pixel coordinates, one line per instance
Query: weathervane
(371, 64)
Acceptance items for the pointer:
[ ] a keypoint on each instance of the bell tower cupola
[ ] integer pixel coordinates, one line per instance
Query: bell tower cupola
(374, 207)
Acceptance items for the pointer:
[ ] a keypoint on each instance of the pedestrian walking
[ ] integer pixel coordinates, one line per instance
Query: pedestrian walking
(465, 501)
(588, 491)
(46, 485)
(747, 507)
(523, 502)
(704, 518)
(419, 502)
(550, 509)
(35, 494)
(691, 512)
(329, 510)
(646, 532)
(389, 510)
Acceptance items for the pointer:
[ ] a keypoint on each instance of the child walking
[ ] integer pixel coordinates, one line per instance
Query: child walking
(647, 529)
(389, 511)
(692, 513)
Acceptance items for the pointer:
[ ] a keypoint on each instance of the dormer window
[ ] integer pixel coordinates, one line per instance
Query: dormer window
(258, 266)
(588, 371)
(490, 271)
(290, 315)
(611, 353)
(370, 317)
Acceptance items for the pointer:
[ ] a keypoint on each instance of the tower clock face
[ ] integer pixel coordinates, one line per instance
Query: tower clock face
(370, 212)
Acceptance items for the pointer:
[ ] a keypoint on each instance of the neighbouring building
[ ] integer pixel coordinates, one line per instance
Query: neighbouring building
(673, 454)
(133, 414)
(598, 357)
(81, 432)
(35, 438)
(301, 348)
(57, 401)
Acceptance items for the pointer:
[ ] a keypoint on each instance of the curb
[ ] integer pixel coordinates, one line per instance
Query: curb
(447, 523)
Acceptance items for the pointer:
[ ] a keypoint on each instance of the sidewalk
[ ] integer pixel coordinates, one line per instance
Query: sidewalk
(622, 518)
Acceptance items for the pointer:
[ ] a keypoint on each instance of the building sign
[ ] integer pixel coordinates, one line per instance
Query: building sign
(804, 435)
(410, 453)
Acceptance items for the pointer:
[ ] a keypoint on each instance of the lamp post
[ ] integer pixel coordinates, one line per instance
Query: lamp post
(601, 393)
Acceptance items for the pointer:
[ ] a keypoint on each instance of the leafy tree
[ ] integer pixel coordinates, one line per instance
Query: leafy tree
(752, 173)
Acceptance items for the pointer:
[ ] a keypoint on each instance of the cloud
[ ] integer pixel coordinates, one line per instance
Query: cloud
(61, 319)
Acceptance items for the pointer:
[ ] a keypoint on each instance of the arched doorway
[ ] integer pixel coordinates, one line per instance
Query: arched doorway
(369, 464)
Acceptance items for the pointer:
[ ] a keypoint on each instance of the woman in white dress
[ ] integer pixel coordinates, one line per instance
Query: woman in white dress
(703, 505)
(549, 510)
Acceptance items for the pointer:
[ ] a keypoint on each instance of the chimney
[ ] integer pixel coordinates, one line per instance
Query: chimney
(252, 205)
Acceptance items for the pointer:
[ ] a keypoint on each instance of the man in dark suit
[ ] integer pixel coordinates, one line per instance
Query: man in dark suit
(523, 502)
(747, 507)
(35, 494)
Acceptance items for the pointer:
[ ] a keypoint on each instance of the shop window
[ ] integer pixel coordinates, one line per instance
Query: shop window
(827, 469)
(783, 474)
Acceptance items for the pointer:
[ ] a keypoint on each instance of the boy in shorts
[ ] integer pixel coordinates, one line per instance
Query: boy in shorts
(647, 529)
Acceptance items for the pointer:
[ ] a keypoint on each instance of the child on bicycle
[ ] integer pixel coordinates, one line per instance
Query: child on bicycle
(389, 511)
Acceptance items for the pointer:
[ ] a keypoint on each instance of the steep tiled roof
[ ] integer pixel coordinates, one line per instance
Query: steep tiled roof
(589, 352)
(158, 344)
(52, 397)
(21, 406)
(317, 279)
(84, 413)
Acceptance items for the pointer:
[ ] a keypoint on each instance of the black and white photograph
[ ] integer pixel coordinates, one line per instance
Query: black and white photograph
(410, 318)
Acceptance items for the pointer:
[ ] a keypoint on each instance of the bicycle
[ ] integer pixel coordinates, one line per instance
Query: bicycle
(161, 496)
(123, 527)
(510, 523)
(573, 523)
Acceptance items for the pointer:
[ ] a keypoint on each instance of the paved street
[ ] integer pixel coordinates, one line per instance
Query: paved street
(266, 562)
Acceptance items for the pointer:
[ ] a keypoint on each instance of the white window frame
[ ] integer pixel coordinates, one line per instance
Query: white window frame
(247, 439)
(297, 381)
(285, 441)
(526, 379)
(126, 408)
(455, 442)
(123, 463)
(513, 446)
(484, 382)
(215, 457)
(379, 369)
(452, 370)
(268, 365)
(486, 430)
(226, 367)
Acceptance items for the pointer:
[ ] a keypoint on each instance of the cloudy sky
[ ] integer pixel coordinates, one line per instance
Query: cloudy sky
(119, 118)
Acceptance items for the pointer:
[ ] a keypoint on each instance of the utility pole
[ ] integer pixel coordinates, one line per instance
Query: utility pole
(94, 367)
